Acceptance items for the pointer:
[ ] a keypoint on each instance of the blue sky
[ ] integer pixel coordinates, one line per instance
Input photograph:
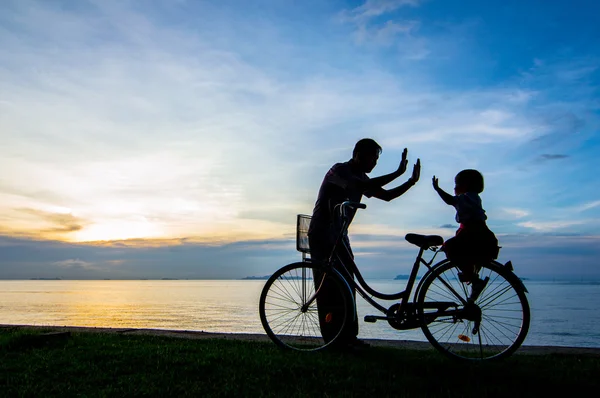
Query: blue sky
(186, 135)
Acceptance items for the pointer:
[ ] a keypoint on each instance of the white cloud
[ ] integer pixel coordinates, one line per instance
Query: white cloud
(588, 206)
(375, 8)
(370, 30)
(546, 226)
(516, 213)
(386, 33)
(73, 263)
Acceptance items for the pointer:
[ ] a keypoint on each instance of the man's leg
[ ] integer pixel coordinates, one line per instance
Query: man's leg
(350, 332)
(329, 315)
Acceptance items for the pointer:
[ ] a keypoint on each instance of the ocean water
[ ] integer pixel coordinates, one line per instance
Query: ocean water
(562, 313)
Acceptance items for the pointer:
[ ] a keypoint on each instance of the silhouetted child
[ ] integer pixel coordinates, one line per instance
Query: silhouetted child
(473, 243)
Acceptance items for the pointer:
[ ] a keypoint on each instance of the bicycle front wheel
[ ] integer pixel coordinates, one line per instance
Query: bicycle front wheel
(492, 326)
(294, 316)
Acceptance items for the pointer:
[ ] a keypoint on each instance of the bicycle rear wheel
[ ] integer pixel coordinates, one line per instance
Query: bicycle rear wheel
(292, 324)
(501, 309)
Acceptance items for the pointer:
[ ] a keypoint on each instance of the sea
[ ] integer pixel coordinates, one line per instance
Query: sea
(563, 313)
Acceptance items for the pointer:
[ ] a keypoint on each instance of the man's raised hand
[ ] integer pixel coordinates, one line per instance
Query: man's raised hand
(403, 162)
(434, 181)
(416, 173)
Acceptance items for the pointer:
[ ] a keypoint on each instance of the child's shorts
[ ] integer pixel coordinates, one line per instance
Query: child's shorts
(471, 246)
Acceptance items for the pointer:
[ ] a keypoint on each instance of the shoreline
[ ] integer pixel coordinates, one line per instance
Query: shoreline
(192, 334)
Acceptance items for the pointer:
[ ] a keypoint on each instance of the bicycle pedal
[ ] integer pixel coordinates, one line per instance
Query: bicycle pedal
(370, 318)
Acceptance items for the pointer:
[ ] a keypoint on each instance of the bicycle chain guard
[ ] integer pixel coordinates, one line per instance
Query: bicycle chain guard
(408, 319)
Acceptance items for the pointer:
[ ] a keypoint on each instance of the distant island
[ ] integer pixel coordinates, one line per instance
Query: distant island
(45, 279)
(401, 277)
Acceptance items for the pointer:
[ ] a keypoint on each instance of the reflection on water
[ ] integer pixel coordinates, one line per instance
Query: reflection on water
(562, 314)
(216, 306)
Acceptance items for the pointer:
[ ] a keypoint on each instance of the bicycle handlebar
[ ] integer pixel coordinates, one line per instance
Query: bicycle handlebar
(355, 205)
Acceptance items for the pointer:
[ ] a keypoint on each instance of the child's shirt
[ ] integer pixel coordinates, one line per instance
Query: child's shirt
(469, 208)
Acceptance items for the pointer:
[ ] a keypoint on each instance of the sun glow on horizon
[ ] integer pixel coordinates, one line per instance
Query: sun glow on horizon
(118, 230)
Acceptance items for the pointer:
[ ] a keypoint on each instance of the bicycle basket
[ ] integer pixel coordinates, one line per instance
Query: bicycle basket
(302, 223)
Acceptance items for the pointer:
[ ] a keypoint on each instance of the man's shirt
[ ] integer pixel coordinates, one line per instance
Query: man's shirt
(338, 186)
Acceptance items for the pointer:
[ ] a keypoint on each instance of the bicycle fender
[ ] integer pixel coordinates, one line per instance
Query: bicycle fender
(518, 280)
(522, 285)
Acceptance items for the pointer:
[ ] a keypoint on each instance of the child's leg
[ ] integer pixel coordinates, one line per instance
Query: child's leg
(484, 247)
(457, 251)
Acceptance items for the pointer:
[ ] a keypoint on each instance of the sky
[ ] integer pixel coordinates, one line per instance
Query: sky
(180, 139)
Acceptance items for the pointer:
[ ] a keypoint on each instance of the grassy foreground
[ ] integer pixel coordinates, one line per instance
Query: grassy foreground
(97, 364)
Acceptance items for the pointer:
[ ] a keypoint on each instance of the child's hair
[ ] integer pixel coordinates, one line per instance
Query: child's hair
(471, 180)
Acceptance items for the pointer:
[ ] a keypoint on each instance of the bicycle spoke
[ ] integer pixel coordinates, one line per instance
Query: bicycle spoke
(499, 325)
(281, 307)
(450, 291)
(288, 322)
(495, 296)
(292, 286)
(278, 302)
(284, 292)
(487, 303)
(283, 295)
(442, 291)
(502, 307)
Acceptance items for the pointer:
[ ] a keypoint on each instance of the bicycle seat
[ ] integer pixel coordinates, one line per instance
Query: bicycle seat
(424, 241)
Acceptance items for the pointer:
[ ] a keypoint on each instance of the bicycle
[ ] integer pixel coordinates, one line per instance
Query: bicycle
(487, 323)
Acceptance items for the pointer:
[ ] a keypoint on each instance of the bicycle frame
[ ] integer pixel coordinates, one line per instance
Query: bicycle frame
(367, 292)
(362, 287)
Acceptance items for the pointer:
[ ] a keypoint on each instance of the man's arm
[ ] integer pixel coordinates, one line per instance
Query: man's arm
(380, 181)
(345, 179)
(373, 184)
(391, 194)
(387, 178)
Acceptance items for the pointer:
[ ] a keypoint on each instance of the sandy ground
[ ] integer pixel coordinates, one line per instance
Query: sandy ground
(187, 334)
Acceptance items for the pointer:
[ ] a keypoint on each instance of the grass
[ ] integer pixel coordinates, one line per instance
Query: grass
(102, 365)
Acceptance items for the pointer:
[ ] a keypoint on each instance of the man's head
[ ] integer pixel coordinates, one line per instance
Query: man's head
(365, 154)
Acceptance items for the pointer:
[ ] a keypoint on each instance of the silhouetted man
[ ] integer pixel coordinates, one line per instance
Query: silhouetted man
(348, 181)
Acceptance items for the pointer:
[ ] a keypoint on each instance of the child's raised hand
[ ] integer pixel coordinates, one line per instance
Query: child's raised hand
(434, 180)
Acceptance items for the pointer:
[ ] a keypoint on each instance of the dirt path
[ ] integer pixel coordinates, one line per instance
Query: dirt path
(188, 334)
